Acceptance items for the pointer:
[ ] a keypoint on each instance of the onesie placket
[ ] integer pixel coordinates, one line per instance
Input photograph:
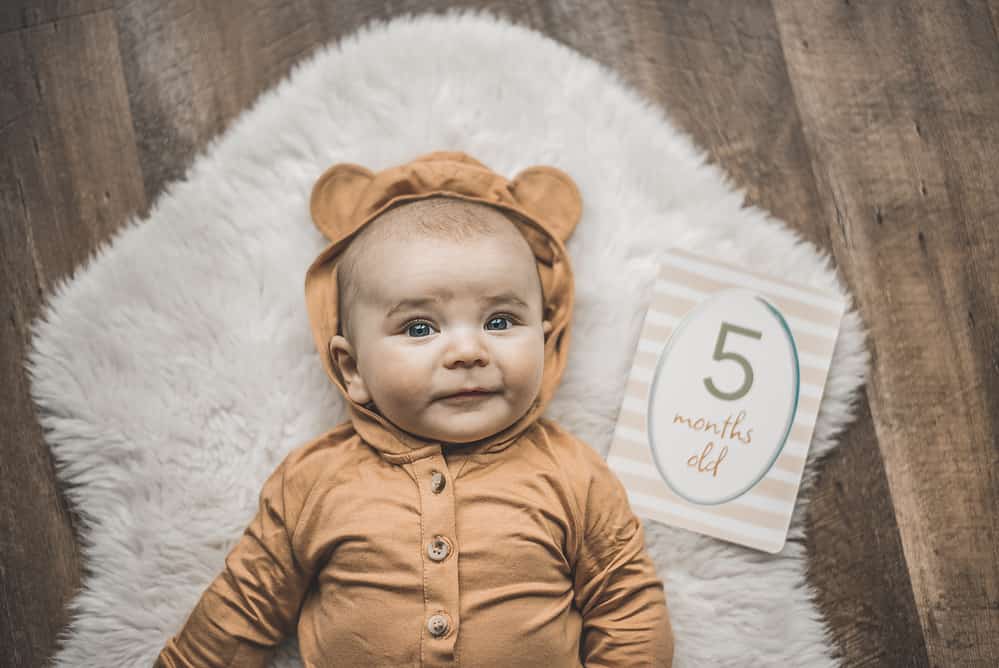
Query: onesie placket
(425, 463)
(439, 553)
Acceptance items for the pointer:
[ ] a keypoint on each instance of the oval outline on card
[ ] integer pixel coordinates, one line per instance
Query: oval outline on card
(664, 353)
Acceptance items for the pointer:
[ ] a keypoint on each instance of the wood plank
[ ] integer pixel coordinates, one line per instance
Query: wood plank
(899, 107)
(19, 14)
(852, 533)
(192, 67)
(68, 178)
(718, 69)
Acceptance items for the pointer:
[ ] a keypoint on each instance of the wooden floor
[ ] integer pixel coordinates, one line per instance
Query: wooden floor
(871, 127)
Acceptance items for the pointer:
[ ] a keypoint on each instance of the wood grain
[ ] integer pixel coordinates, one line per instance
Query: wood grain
(905, 161)
(870, 128)
(69, 178)
(18, 14)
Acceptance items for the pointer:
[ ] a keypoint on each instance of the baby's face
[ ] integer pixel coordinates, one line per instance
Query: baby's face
(438, 317)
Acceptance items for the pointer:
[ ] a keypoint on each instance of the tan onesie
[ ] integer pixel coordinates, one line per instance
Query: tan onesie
(379, 548)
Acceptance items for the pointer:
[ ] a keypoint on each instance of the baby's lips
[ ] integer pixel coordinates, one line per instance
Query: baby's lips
(478, 390)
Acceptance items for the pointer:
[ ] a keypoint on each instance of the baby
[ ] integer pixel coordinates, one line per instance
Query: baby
(446, 522)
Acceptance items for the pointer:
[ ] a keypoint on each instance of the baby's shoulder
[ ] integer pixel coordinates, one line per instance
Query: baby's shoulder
(320, 456)
(585, 471)
(575, 456)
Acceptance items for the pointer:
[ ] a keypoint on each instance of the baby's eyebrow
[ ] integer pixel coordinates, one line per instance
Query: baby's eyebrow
(416, 302)
(411, 303)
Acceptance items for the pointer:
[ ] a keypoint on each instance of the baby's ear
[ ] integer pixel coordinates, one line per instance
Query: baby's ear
(343, 357)
(550, 195)
(335, 196)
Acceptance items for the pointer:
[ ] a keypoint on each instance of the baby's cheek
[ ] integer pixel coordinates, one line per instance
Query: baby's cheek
(402, 379)
(525, 368)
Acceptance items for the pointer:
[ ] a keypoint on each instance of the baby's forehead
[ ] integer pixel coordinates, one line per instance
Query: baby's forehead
(404, 242)
(377, 291)
(417, 239)
(510, 279)
(415, 243)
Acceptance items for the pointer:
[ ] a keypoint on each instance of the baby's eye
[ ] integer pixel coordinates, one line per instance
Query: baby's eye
(419, 326)
(500, 318)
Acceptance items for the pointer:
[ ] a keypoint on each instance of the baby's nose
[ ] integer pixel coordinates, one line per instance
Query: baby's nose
(466, 349)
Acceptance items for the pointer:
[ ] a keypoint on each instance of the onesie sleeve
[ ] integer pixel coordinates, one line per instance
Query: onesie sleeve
(620, 597)
(254, 603)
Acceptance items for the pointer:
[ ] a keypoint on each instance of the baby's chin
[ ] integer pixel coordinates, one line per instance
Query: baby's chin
(461, 429)
(460, 436)
(476, 428)
(459, 425)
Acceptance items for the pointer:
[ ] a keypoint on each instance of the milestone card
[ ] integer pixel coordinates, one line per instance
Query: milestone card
(722, 398)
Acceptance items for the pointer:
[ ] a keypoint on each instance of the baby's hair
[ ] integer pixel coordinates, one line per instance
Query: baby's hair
(438, 216)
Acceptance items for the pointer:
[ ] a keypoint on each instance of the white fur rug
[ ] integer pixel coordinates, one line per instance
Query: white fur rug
(176, 368)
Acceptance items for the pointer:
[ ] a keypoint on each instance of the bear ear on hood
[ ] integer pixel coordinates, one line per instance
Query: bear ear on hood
(335, 196)
(548, 194)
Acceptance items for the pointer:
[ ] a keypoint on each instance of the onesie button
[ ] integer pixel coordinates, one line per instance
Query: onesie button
(438, 625)
(438, 548)
(437, 482)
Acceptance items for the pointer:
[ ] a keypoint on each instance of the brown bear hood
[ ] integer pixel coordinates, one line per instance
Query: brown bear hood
(545, 205)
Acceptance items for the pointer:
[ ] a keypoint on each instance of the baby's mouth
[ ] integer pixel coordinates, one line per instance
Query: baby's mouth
(474, 395)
